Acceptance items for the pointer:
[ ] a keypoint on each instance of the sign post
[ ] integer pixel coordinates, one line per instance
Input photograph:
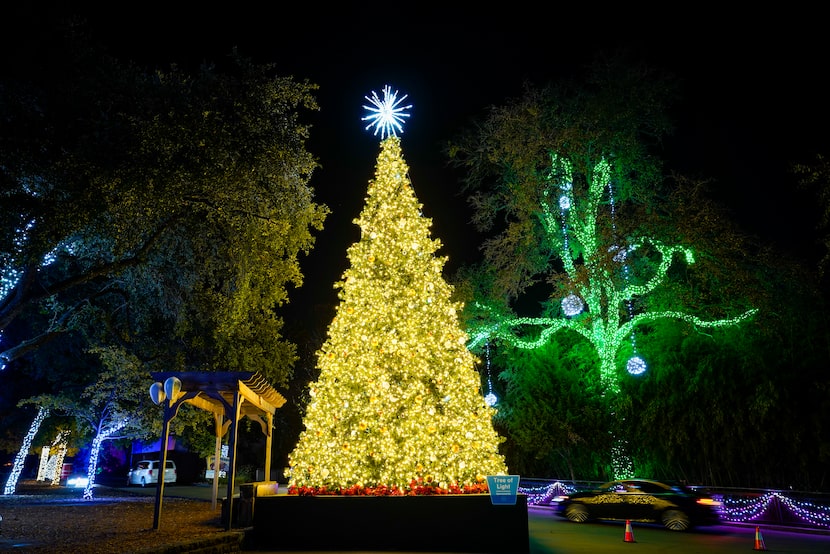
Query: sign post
(503, 489)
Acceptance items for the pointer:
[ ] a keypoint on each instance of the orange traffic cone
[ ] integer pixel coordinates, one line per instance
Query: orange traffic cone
(759, 540)
(629, 534)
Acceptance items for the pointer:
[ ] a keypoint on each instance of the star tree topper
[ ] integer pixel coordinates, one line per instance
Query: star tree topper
(386, 115)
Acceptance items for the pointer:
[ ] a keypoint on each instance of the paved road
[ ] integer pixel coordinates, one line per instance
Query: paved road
(202, 491)
(549, 534)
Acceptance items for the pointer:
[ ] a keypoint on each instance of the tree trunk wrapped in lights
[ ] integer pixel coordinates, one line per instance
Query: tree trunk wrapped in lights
(20, 459)
(397, 408)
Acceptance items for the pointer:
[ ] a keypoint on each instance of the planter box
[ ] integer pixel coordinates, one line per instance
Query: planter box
(451, 523)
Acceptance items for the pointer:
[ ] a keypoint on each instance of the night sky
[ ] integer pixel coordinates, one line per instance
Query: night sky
(754, 100)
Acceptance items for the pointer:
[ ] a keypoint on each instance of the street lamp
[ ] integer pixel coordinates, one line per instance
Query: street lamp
(168, 396)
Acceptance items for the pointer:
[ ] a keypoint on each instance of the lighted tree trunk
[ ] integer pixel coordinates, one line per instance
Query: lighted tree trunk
(20, 459)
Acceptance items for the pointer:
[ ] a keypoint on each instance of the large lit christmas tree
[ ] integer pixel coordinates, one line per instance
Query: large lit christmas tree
(397, 408)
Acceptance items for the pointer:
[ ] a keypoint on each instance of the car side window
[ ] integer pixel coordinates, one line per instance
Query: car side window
(651, 488)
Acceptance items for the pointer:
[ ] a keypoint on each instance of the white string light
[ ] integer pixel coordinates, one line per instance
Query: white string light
(491, 399)
(17, 469)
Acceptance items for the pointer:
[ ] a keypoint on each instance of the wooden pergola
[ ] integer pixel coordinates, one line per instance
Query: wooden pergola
(229, 396)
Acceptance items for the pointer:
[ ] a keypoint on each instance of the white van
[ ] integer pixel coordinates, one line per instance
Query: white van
(146, 472)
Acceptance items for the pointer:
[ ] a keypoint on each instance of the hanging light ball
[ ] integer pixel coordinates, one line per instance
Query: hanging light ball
(619, 253)
(572, 305)
(565, 202)
(491, 399)
(636, 366)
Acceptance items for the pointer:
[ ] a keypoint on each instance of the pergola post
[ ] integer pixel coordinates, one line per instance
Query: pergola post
(234, 417)
(269, 437)
(217, 455)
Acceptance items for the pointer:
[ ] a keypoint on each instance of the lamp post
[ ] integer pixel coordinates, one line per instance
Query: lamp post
(168, 396)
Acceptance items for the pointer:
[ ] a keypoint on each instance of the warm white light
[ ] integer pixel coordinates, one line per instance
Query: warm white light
(17, 468)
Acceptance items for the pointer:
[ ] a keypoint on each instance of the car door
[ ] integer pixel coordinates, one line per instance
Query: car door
(140, 471)
(608, 503)
(638, 500)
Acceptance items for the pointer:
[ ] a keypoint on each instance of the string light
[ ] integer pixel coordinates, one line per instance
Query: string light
(10, 276)
(490, 398)
(606, 335)
(17, 468)
(59, 457)
(575, 227)
(545, 494)
(56, 455)
(738, 509)
(750, 509)
(621, 461)
(635, 365)
(95, 450)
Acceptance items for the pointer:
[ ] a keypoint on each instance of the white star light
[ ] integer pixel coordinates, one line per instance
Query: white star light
(386, 115)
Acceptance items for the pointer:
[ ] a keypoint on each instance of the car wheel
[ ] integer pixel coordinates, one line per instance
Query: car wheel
(676, 520)
(577, 513)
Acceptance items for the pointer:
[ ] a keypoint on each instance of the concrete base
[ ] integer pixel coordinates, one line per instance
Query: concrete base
(451, 523)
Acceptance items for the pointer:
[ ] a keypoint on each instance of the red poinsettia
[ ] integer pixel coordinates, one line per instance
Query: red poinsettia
(417, 487)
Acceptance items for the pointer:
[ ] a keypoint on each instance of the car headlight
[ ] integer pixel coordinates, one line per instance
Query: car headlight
(77, 482)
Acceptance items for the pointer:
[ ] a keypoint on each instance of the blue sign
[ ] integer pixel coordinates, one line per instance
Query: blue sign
(503, 488)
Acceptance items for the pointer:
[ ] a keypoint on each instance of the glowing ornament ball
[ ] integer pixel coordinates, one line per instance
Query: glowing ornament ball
(572, 305)
(636, 366)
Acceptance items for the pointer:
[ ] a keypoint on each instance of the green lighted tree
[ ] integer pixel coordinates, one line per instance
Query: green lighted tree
(397, 407)
(565, 185)
(599, 283)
